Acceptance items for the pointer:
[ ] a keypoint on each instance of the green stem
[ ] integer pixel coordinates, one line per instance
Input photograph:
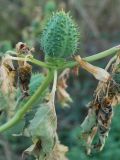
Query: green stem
(29, 59)
(71, 64)
(95, 57)
(21, 112)
(103, 54)
(39, 63)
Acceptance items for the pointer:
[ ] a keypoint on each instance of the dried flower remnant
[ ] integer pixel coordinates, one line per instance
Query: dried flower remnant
(99, 73)
(100, 112)
(63, 97)
(24, 73)
(24, 69)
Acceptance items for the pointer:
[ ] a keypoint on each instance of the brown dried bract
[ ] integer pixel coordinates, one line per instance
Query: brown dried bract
(97, 72)
(63, 97)
(75, 70)
(24, 73)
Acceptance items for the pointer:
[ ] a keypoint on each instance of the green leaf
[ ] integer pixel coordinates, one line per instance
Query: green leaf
(43, 128)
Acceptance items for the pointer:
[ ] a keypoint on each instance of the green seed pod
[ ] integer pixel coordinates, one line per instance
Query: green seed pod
(60, 36)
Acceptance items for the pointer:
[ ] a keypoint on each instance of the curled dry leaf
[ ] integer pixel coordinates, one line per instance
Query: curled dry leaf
(8, 84)
(90, 139)
(98, 122)
(99, 73)
(63, 97)
(7, 76)
(42, 129)
(59, 152)
(100, 113)
(24, 73)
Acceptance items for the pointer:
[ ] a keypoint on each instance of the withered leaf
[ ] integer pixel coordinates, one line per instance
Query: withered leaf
(43, 128)
(58, 152)
(8, 85)
(63, 96)
(7, 76)
(24, 73)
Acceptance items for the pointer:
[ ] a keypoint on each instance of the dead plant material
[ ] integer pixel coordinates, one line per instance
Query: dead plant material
(24, 69)
(100, 111)
(7, 76)
(99, 73)
(8, 85)
(63, 96)
(24, 73)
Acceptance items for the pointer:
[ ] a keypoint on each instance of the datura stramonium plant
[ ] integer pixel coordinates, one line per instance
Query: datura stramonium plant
(23, 89)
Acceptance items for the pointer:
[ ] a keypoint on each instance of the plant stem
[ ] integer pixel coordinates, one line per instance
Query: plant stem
(95, 57)
(103, 54)
(39, 63)
(71, 64)
(54, 87)
(31, 59)
(21, 112)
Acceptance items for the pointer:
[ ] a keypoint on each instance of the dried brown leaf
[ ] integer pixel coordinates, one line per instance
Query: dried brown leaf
(24, 73)
(63, 96)
(59, 152)
(8, 84)
(75, 70)
(7, 76)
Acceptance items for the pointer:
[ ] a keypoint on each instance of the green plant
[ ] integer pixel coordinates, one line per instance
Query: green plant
(59, 41)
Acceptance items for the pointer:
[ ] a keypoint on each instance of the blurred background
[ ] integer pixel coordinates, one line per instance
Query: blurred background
(99, 26)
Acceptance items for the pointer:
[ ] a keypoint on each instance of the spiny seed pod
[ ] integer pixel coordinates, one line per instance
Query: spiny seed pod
(60, 36)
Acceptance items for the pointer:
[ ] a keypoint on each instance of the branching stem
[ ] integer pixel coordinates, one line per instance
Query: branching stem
(21, 112)
(70, 64)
